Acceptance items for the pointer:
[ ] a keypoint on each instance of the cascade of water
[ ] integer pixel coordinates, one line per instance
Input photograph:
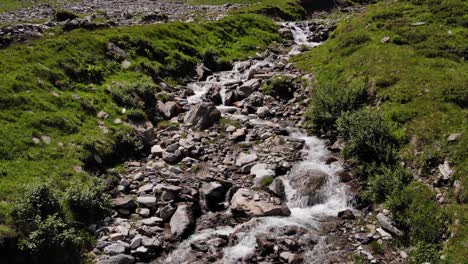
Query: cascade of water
(333, 196)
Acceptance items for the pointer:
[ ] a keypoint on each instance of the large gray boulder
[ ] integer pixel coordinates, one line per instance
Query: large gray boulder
(202, 115)
(213, 195)
(308, 186)
(182, 221)
(249, 203)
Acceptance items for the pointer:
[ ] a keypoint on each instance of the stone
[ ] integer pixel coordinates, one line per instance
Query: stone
(116, 236)
(115, 52)
(147, 201)
(202, 115)
(169, 109)
(239, 134)
(114, 249)
(213, 195)
(346, 214)
(172, 158)
(454, 137)
(445, 170)
(385, 39)
(157, 150)
(244, 204)
(263, 112)
(277, 188)
(166, 212)
(245, 158)
(229, 97)
(146, 188)
(152, 221)
(386, 224)
(309, 184)
(182, 221)
(261, 171)
(118, 259)
(145, 131)
(145, 212)
(245, 91)
(102, 115)
(122, 202)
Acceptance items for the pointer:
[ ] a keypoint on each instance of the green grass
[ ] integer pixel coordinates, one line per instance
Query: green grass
(55, 86)
(418, 80)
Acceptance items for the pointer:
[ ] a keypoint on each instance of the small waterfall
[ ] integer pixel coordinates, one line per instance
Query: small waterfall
(332, 195)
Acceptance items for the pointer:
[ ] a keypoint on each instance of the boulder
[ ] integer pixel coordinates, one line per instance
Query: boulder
(245, 158)
(202, 115)
(172, 158)
(213, 195)
(308, 185)
(182, 221)
(346, 214)
(114, 249)
(386, 224)
(147, 201)
(124, 202)
(277, 188)
(263, 112)
(169, 109)
(152, 221)
(247, 202)
(145, 131)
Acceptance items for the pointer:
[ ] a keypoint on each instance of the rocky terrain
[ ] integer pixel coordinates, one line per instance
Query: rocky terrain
(29, 23)
(234, 178)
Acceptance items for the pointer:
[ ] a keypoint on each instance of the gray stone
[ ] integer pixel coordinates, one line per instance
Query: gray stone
(202, 116)
(119, 259)
(169, 109)
(386, 223)
(182, 221)
(147, 201)
(213, 195)
(245, 158)
(246, 202)
(114, 249)
(152, 221)
(136, 242)
(166, 212)
(263, 112)
(157, 150)
(172, 158)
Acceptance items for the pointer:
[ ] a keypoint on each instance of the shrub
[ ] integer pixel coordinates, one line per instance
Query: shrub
(368, 137)
(37, 203)
(330, 100)
(281, 87)
(425, 253)
(87, 203)
(416, 212)
(385, 181)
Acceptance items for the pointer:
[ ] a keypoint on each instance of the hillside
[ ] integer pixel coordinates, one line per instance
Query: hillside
(211, 131)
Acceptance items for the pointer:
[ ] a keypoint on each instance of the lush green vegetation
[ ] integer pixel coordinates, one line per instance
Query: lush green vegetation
(405, 61)
(52, 91)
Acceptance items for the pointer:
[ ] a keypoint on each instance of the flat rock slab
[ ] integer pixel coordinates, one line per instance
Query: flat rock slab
(247, 202)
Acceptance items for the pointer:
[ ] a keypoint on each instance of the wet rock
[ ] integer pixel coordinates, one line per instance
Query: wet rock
(246, 202)
(213, 195)
(309, 185)
(230, 97)
(182, 221)
(346, 214)
(202, 116)
(277, 188)
(265, 244)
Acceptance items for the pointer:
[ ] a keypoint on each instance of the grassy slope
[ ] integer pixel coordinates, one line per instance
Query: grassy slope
(418, 80)
(10, 5)
(55, 86)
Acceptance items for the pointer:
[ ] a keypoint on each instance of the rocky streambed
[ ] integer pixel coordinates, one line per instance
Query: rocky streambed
(233, 177)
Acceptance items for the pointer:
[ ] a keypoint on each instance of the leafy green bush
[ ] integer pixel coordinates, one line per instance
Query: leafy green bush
(368, 137)
(280, 87)
(37, 203)
(425, 253)
(384, 181)
(330, 100)
(416, 212)
(87, 202)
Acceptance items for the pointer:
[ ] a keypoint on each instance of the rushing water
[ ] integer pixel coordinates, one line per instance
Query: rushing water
(333, 195)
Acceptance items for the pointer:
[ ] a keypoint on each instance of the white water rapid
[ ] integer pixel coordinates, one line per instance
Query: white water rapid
(332, 195)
